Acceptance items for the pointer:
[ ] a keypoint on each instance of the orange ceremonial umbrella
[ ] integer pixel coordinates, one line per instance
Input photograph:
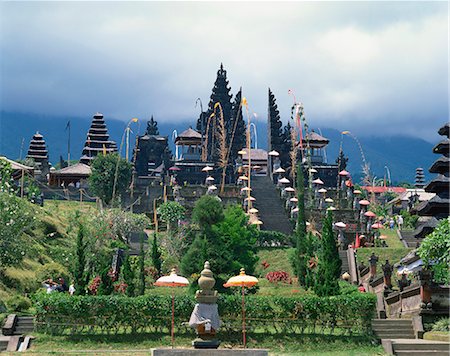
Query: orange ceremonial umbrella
(242, 280)
(172, 280)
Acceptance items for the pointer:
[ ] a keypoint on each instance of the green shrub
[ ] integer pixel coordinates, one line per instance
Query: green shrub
(62, 313)
(2, 307)
(18, 304)
(442, 325)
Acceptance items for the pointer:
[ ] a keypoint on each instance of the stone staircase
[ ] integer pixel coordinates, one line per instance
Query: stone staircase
(25, 325)
(4, 340)
(416, 347)
(270, 206)
(393, 328)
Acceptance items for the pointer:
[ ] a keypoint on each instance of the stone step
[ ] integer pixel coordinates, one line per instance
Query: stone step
(393, 331)
(395, 336)
(23, 331)
(25, 322)
(3, 344)
(399, 346)
(389, 323)
(421, 353)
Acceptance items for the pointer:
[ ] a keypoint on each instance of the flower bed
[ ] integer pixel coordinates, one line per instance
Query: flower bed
(65, 314)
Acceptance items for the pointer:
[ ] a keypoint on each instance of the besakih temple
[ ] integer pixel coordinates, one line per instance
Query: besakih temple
(97, 140)
(438, 207)
(326, 172)
(190, 158)
(38, 152)
(152, 157)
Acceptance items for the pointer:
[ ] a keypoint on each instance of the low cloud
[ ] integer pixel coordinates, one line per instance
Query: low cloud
(359, 65)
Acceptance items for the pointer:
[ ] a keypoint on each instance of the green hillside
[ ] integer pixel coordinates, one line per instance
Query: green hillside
(48, 244)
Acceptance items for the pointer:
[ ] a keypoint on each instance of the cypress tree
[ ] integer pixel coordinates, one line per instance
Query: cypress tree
(128, 276)
(286, 146)
(79, 274)
(300, 261)
(275, 125)
(106, 286)
(156, 255)
(238, 126)
(329, 265)
(141, 290)
(220, 93)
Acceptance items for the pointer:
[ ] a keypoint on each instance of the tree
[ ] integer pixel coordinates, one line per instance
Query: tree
(207, 211)
(275, 128)
(16, 216)
(79, 272)
(156, 255)
(101, 180)
(227, 242)
(152, 127)
(122, 223)
(301, 258)
(329, 264)
(106, 286)
(220, 94)
(128, 276)
(286, 146)
(237, 128)
(435, 251)
(170, 212)
(141, 290)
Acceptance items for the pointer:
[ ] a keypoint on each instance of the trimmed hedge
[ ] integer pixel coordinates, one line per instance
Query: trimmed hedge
(345, 314)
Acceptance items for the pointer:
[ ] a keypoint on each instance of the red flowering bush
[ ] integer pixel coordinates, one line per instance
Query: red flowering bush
(278, 276)
(93, 287)
(120, 287)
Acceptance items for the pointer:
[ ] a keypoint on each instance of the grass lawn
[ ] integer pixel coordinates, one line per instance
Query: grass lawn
(140, 344)
(394, 252)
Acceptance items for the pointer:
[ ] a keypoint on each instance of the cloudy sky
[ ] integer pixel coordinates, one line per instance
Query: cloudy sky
(369, 67)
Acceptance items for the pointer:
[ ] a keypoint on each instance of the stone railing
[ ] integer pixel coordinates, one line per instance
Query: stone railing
(424, 298)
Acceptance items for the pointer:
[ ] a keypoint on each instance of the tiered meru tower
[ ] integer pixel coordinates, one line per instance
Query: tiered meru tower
(39, 153)
(437, 207)
(97, 140)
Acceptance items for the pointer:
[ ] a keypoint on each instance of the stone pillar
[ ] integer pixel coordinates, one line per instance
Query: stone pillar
(205, 316)
(425, 281)
(373, 265)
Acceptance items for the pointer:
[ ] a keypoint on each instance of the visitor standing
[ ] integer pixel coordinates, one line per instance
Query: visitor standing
(49, 285)
(391, 223)
(400, 222)
(71, 289)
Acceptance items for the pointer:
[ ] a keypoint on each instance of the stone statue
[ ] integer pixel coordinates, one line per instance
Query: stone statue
(205, 316)
(387, 273)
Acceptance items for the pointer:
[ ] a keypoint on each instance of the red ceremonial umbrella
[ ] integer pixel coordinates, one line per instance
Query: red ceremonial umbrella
(174, 169)
(364, 202)
(370, 214)
(172, 280)
(242, 280)
(343, 173)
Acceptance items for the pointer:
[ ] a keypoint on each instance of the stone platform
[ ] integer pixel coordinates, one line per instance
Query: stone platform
(209, 352)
